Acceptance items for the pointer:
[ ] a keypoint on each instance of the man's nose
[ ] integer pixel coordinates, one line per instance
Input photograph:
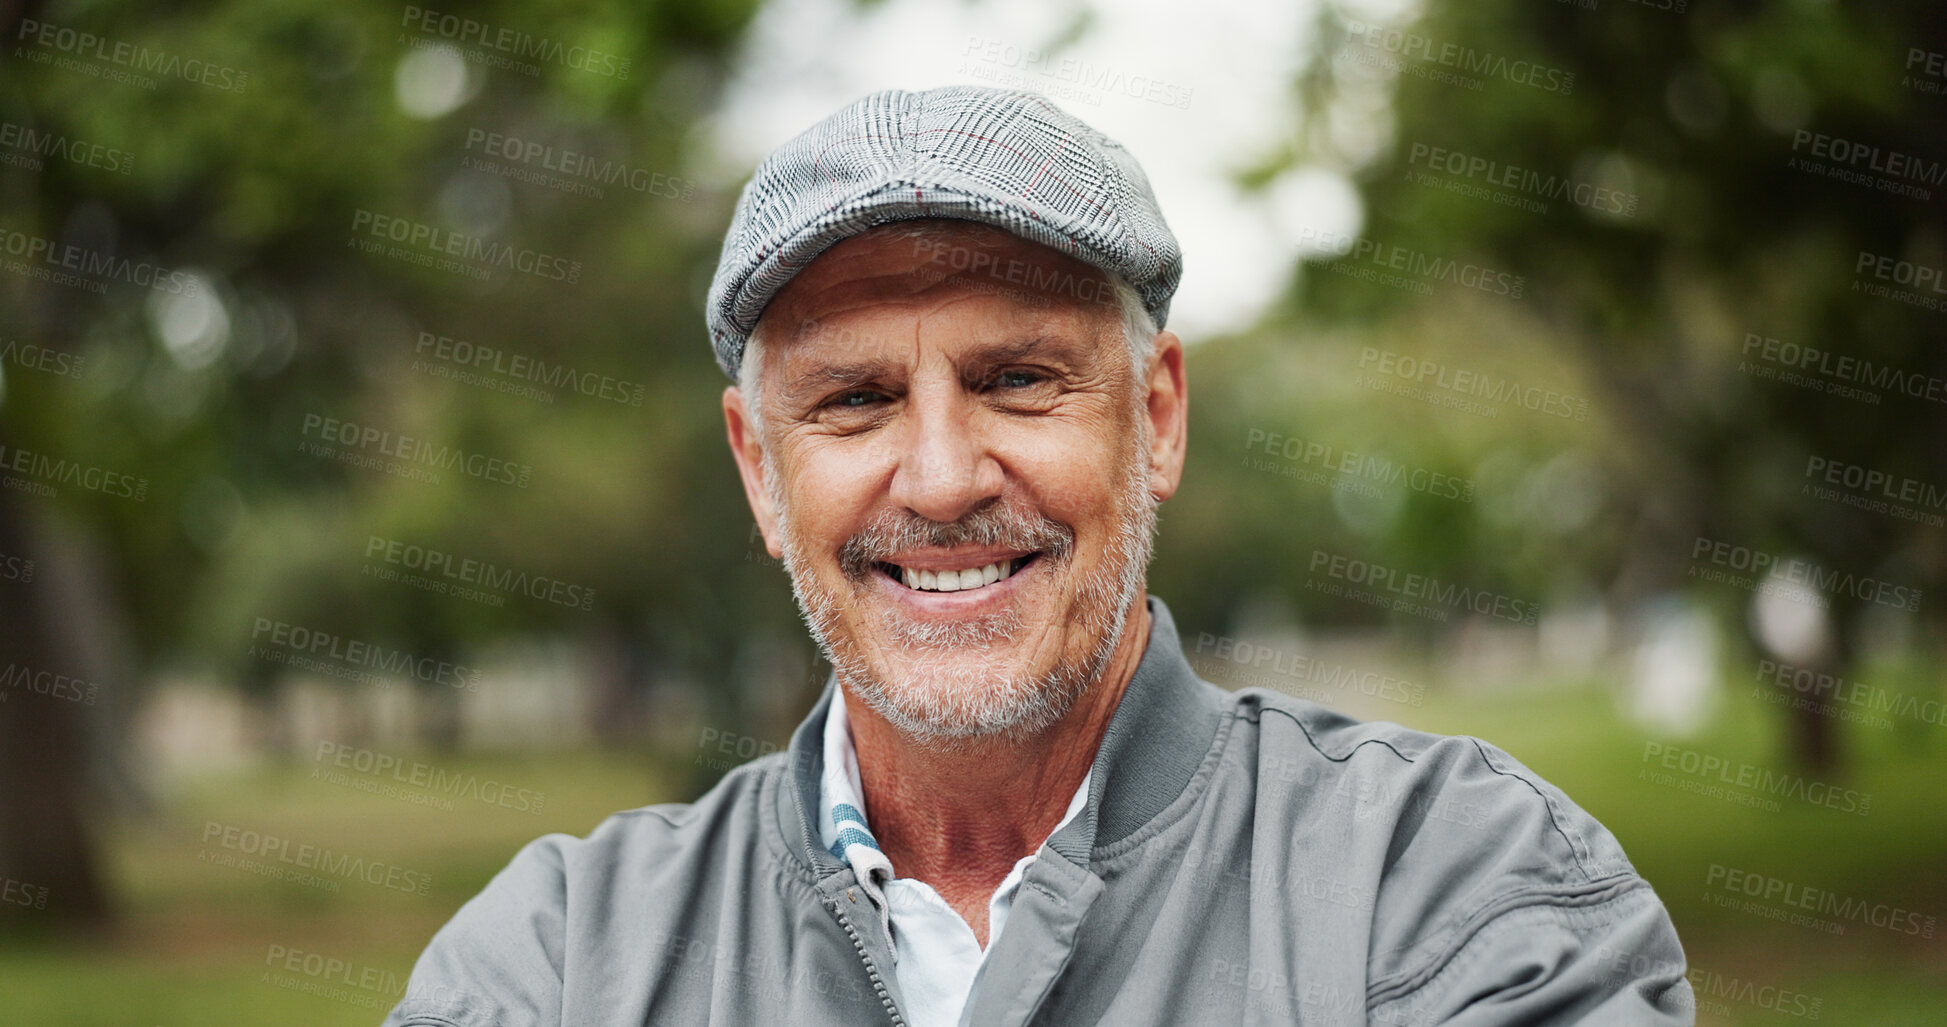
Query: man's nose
(946, 467)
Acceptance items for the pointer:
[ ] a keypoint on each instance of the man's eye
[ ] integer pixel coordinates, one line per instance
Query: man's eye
(855, 398)
(1016, 379)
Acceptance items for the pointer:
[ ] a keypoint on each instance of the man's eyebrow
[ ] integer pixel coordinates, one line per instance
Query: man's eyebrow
(1046, 345)
(828, 375)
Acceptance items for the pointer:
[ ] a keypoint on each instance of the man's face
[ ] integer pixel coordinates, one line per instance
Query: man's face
(958, 472)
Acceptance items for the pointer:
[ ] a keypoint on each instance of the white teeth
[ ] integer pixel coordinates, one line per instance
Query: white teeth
(957, 581)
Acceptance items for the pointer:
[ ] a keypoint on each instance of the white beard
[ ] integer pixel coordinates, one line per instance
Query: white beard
(955, 699)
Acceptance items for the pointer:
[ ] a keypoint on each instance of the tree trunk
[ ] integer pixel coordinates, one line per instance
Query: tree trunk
(45, 741)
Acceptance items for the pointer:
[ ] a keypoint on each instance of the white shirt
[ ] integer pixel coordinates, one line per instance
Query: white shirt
(935, 953)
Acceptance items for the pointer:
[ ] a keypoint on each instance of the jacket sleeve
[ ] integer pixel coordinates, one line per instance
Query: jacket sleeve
(1610, 957)
(498, 962)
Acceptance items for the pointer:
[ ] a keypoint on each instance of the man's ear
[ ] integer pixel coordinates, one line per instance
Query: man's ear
(1168, 410)
(748, 450)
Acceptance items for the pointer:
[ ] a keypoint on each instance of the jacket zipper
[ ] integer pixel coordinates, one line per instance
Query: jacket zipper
(871, 971)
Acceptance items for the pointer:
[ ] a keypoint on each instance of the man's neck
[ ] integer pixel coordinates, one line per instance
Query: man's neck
(959, 816)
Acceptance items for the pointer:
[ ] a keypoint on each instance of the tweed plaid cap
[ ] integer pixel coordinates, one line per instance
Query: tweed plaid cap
(1005, 157)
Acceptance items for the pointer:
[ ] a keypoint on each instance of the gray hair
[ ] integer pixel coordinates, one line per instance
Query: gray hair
(1138, 328)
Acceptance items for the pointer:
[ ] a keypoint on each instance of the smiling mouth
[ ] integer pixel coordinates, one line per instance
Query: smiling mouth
(959, 580)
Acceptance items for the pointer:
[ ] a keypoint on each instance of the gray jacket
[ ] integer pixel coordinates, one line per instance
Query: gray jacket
(1244, 858)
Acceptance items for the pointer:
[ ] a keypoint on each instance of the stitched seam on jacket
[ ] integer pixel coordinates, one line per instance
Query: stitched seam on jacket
(779, 848)
(1399, 985)
(1319, 749)
(779, 855)
(1059, 900)
(1546, 805)
(1032, 1001)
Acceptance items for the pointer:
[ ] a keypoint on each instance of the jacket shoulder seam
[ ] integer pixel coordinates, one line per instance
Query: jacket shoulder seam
(1547, 804)
(1349, 753)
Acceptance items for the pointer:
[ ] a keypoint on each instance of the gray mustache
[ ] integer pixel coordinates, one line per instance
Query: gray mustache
(991, 524)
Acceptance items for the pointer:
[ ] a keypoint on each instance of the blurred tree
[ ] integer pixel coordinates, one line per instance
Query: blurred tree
(1675, 184)
(243, 152)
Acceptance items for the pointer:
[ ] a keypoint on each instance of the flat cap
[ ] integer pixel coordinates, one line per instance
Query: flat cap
(1005, 157)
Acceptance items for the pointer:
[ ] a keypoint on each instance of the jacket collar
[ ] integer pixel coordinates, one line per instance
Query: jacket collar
(1160, 733)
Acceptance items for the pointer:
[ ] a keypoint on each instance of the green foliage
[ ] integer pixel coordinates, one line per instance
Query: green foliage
(1644, 309)
(259, 191)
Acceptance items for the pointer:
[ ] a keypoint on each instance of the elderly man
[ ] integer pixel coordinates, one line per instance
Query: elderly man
(1015, 803)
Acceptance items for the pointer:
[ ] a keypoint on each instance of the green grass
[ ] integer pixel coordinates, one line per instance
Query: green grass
(193, 942)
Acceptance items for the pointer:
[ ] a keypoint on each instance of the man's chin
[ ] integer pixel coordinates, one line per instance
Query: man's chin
(978, 667)
(965, 696)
